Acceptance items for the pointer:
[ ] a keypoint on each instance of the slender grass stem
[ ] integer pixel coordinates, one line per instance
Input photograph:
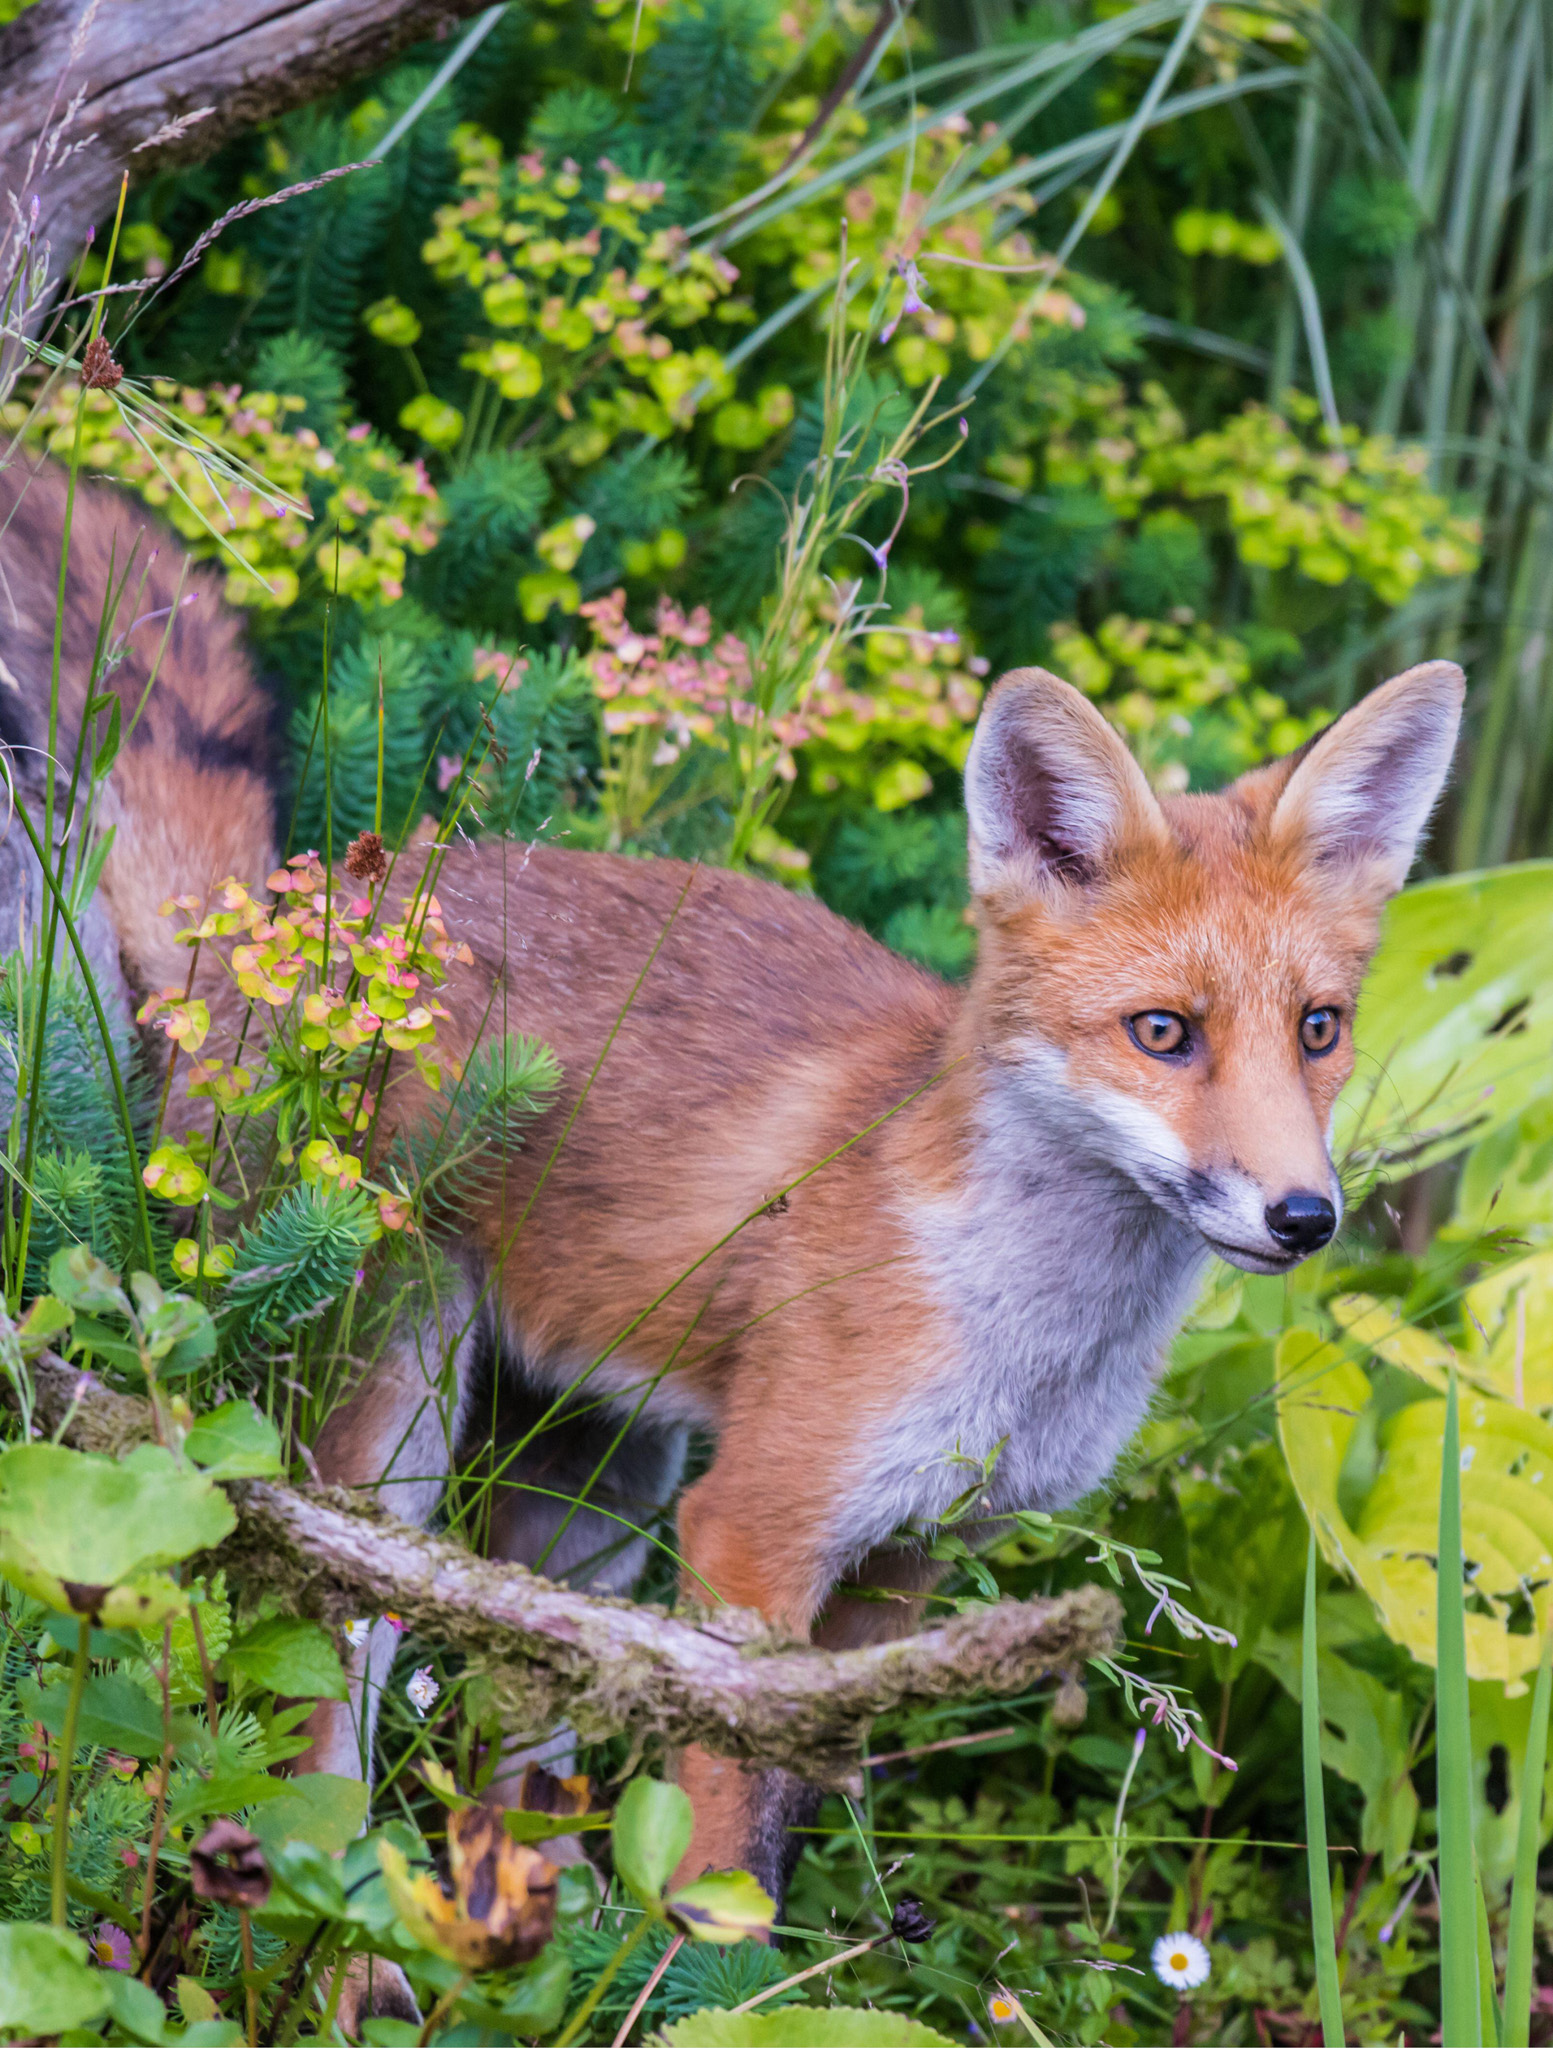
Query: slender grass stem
(1519, 1960)
(1323, 1938)
(1460, 2009)
(78, 1674)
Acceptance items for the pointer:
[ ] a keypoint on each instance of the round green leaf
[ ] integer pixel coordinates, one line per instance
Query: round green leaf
(651, 1832)
(45, 1984)
(235, 1441)
(290, 1656)
(89, 1535)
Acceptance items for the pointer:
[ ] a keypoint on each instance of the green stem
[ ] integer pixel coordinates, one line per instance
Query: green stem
(1323, 1937)
(603, 1981)
(83, 1658)
(1460, 2010)
(1523, 1900)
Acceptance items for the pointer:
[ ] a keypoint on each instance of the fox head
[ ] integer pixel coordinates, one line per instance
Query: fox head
(1183, 971)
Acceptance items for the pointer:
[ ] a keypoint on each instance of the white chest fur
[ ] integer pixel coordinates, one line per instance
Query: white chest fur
(1064, 1282)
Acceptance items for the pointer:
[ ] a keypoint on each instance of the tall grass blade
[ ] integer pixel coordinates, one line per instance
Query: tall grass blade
(1323, 1935)
(1523, 1898)
(1488, 2002)
(1460, 2012)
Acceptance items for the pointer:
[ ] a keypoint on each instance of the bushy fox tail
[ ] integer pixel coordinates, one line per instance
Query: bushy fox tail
(190, 797)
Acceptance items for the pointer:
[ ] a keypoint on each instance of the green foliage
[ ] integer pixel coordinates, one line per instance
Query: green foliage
(300, 1257)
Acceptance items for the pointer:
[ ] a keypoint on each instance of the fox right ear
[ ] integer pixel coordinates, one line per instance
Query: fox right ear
(1051, 792)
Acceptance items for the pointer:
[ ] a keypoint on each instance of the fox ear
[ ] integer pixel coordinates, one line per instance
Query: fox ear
(1362, 794)
(1050, 790)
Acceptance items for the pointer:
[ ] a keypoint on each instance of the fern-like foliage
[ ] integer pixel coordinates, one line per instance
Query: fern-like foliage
(298, 1258)
(701, 80)
(1047, 550)
(304, 366)
(506, 1083)
(338, 754)
(492, 509)
(901, 874)
(83, 1189)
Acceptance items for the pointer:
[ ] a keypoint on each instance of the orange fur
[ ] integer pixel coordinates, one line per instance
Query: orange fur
(819, 1333)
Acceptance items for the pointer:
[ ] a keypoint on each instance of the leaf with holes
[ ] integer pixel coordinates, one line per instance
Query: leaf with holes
(1325, 1413)
(1456, 1020)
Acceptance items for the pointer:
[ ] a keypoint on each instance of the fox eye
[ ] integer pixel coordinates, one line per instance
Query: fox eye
(1319, 1031)
(1160, 1032)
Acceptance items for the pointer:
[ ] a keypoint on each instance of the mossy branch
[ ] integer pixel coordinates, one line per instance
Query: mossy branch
(607, 1666)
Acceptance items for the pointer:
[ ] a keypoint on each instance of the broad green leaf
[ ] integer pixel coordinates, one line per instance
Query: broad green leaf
(288, 1655)
(310, 1876)
(81, 1280)
(115, 1714)
(235, 1441)
(43, 1322)
(1365, 1724)
(319, 1807)
(1389, 1548)
(535, 2004)
(651, 1832)
(725, 1905)
(1455, 1025)
(223, 1792)
(45, 1984)
(135, 2006)
(801, 2026)
(91, 1535)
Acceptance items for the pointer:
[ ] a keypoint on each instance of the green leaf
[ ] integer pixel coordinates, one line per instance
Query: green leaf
(1460, 2008)
(1323, 1939)
(725, 1905)
(89, 1535)
(319, 1808)
(235, 1441)
(45, 1984)
(1366, 1725)
(45, 1320)
(1505, 1478)
(800, 2026)
(537, 2000)
(136, 2007)
(1520, 1956)
(310, 1875)
(115, 1714)
(1456, 1017)
(81, 1280)
(287, 1655)
(651, 1832)
(223, 1792)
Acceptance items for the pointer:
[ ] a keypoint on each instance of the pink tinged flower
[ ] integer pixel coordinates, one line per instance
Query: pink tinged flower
(422, 1691)
(449, 768)
(111, 1947)
(359, 432)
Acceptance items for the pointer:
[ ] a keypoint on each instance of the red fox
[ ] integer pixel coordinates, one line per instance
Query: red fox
(979, 1215)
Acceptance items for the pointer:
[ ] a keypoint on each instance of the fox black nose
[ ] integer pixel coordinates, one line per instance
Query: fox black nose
(1302, 1222)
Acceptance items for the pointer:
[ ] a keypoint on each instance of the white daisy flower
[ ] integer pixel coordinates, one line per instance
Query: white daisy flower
(1180, 1959)
(422, 1692)
(356, 1633)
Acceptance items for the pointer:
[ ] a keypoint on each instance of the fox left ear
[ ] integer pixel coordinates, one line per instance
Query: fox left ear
(1362, 794)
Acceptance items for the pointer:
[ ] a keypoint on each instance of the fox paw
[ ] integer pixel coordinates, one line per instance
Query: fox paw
(374, 1990)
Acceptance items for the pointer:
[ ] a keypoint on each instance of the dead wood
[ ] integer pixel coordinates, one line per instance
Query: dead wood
(90, 88)
(547, 1653)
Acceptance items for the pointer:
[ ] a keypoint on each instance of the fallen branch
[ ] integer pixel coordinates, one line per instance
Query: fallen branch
(605, 1665)
(87, 89)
